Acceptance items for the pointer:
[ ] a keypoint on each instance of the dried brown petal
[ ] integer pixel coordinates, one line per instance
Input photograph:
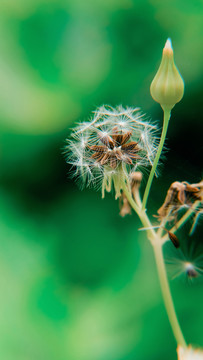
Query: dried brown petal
(117, 139)
(128, 160)
(107, 140)
(133, 155)
(98, 148)
(130, 146)
(105, 158)
(98, 157)
(118, 155)
(126, 137)
(113, 162)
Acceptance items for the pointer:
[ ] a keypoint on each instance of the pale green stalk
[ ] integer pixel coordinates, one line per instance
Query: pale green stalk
(157, 247)
(167, 115)
(141, 213)
(168, 301)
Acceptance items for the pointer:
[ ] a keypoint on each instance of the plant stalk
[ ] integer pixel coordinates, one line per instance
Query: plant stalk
(168, 301)
(158, 253)
(167, 115)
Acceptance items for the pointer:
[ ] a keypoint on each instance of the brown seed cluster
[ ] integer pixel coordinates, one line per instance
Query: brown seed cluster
(115, 149)
(180, 194)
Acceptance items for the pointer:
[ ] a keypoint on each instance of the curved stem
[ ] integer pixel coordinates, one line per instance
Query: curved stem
(167, 115)
(130, 198)
(142, 214)
(168, 301)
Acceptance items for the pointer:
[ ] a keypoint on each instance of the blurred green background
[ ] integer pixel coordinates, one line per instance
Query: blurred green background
(77, 282)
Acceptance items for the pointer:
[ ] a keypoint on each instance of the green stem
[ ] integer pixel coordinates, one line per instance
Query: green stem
(167, 115)
(168, 301)
(142, 214)
(157, 246)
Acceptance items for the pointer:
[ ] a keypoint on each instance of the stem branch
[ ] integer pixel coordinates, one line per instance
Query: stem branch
(157, 247)
(142, 214)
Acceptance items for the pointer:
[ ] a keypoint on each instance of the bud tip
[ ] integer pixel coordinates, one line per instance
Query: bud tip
(168, 47)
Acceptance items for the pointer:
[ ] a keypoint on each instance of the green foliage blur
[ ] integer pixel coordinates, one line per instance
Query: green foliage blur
(77, 282)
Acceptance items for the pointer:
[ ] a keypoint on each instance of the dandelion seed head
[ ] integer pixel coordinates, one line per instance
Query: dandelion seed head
(114, 140)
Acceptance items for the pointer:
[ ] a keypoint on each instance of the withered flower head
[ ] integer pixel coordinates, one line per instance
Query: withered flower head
(112, 145)
(179, 195)
(182, 195)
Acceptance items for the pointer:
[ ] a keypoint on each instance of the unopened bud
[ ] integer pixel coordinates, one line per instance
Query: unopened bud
(167, 87)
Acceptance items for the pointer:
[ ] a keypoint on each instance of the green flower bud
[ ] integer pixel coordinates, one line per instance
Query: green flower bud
(167, 87)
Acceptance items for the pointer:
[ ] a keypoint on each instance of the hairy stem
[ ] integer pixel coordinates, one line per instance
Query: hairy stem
(167, 115)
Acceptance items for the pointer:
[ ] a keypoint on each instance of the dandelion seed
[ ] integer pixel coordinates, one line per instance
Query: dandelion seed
(189, 266)
(190, 270)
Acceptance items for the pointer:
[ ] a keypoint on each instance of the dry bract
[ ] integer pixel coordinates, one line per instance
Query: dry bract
(179, 195)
